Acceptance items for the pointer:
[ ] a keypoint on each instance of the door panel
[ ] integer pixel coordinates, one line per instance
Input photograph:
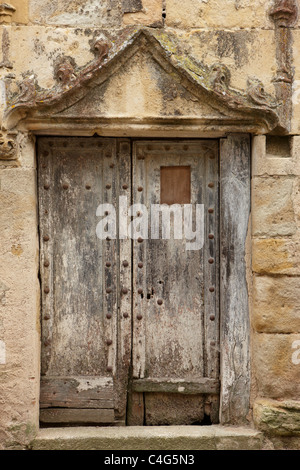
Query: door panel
(130, 328)
(175, 294)
(80, 276)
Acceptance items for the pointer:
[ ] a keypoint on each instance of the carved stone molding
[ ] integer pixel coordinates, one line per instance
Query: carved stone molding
(250, 110)
(64, 70)
(6, 12)
(8, 147)
(284, 12)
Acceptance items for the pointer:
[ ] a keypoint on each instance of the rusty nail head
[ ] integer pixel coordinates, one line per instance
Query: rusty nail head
(109, 342)
(211, 211)
(108, 186)
(211, 260)
(46, 186)
(46, 238)
(46, 317)
(109, 369)
(108, 290)
(108, 316)
(140, 240)
(211, 289)
(125, 315)
(139, 317)
(65, 186)
(125, 263)
(160, 302)
(106, 213)
(108, 264)
(87, 186)
(211, 236)
(47, 290)
(140, 291)
(212, 317)
(125, 186)
(140, 265)
(46, 264)
(124, 290)
(111, 165)
(210, 185)
(140, 188)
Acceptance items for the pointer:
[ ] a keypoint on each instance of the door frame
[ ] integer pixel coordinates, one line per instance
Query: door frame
(235, 264)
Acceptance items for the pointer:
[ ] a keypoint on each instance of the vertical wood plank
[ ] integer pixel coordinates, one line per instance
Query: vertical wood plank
(235, 212)
(124, 273)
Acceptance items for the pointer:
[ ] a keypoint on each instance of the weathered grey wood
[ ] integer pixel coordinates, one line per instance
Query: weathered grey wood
(69, 416)
(76, 392)
(124, 281)
(136, 409)
(201, 386)
(171, 339)
(79, 272)
(235, 212)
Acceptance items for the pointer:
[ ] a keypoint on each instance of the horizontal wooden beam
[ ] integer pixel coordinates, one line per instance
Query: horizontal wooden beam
(196, 387)
(76, 392)
(76, 416)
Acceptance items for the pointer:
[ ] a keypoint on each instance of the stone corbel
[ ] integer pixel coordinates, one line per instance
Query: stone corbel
(8, 146)
(284, 14)
(6, 12)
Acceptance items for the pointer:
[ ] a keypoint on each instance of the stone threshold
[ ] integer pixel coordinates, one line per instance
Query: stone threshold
(214, 437)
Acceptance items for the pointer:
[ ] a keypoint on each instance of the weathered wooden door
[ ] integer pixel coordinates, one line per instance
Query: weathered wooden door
(85, 342)
(130, 330)
(175, 284)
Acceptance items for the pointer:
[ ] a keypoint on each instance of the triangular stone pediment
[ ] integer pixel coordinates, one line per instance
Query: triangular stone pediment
(144, 77)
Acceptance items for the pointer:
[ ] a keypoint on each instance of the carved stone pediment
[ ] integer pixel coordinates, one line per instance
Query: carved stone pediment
(143, 78)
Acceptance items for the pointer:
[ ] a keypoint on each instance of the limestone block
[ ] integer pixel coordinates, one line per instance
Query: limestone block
(273, 207)
(276, 304)
(19, 304)
(217, 14)
(34, 50)
(150, 14)
(276, 365)
(275, 156)
(296, 83)
(247, 53)
(21, 15)
(276, 256)
(277, 418)
(104, 14)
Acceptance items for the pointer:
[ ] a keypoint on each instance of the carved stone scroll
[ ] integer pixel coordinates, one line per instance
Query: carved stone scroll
(284, 13)
(8, 147)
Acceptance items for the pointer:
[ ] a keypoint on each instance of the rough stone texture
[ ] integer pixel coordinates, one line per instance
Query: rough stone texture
(213, 13)
(276, 256)
(276, 365)
(21, 15)
(150, 15)
(278, 418)
(276, 305)
(19, 305)
(149, 438)
(106, 13)
(273, 207)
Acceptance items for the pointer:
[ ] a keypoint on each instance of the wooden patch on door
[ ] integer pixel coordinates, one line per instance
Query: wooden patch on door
(175, 185)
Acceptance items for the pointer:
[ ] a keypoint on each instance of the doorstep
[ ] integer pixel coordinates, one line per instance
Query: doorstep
(148, 438)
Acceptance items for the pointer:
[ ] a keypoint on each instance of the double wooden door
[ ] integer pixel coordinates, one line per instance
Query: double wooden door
(129, 281)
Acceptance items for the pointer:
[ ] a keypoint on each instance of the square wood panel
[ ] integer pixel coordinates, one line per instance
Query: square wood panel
(175, 185)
